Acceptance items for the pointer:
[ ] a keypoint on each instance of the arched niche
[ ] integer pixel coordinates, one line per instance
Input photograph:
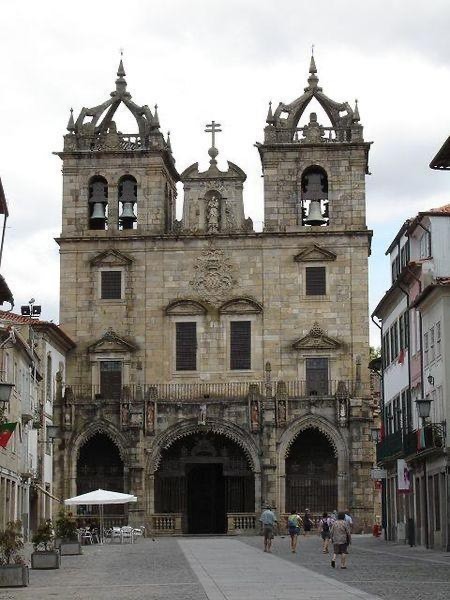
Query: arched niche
(98, 203)
(128, 202)
(314, 196)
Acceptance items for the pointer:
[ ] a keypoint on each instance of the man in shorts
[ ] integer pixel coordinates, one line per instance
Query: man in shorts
(294, 524)
(268, 521)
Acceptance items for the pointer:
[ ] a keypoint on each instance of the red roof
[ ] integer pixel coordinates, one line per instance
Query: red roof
(48, 325)
(442, 209)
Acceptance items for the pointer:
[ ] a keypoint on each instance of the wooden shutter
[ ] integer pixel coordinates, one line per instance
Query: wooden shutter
(186, 346)
(315, 281)
(317, 376)
(111, 285)
(111, 379)
(240, 345)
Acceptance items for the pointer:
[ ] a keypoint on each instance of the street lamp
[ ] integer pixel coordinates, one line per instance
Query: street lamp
(5, 392)
(423, 410)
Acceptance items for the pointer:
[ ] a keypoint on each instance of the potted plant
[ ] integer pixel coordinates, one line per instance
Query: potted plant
(13, 570)
(45, 556)
(66, 531)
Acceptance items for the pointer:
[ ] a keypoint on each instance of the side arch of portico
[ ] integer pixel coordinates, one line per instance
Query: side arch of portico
(186, 428)
(80, 437)
(338, 443)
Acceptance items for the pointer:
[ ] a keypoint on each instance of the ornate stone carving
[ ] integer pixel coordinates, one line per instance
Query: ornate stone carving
(213, 278)
(213, 214)
(202, 414)
(317, 340)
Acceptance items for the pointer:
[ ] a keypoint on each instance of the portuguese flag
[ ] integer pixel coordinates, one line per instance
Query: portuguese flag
(6, 431)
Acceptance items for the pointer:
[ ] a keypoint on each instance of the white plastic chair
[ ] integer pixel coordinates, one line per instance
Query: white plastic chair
(86, 536)
(127, 534)
(139, 531)
(116, 534)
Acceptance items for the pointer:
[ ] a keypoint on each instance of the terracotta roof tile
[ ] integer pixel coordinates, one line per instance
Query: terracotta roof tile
(441, 209)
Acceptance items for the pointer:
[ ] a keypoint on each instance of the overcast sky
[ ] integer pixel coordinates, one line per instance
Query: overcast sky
(223, 60)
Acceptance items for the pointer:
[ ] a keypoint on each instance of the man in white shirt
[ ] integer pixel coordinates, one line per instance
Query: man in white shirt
(268, 520)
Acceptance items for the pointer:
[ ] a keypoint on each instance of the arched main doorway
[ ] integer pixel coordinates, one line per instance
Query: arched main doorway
(311, 473)
(100, 465)
(204, 476)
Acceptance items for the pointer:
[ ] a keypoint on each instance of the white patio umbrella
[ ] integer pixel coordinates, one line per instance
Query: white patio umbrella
(100, 498)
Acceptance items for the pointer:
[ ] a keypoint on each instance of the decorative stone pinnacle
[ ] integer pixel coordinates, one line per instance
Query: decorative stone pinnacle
(316, 330)
(312, 64)
(156, 117)
(213, 128)
(169, 145)
(71, 124)
(270, 120)
(356, 116)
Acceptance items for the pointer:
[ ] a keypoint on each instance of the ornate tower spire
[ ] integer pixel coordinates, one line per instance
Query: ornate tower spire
(71, 124)
(313, 80)
(270, 120)
(169, 145)
(213, 128)
(121, 84)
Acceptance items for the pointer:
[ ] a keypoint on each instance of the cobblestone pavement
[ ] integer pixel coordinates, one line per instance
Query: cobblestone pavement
(151, 570)
(385, 569)
(235, 568)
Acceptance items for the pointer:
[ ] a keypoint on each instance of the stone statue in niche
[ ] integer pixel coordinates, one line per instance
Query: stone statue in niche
(213, 214)
(150, 417)
(281, 412)
(254, 415)
(202, 414)
(124, 414)
(342, 412)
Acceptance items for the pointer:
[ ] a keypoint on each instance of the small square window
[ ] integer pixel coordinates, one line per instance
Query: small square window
(315, 281)
(111, 285)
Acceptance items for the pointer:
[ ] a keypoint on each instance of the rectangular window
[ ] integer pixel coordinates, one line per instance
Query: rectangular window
(317, 376)
(111, 285)
(425, 245)
(395, 328)
(111, 379)
(240, 345)
(432, 348)
(186, 346)
(315, 281)
(401, 331)
(425, 348)
(438, 338)
(406, 328)
(397, 414)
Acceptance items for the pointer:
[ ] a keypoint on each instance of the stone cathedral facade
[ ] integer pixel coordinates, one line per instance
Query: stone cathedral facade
(216, 368)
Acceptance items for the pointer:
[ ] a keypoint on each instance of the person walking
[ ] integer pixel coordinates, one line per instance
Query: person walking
(268, 520)
(325, 524)
(294, 524)
(307, 522)
(340, 538)
(348, 519)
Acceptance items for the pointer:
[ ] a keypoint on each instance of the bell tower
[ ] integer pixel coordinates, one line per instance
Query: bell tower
(314, 176)
(114, 181)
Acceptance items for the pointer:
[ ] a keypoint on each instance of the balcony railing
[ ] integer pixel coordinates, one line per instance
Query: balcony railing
(391, 447)
(233, 390)
(412, 443)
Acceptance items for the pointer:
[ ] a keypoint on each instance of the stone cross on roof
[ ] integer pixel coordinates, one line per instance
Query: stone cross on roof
(213, 128)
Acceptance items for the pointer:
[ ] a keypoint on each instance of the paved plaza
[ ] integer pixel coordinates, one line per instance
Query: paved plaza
(235, 568)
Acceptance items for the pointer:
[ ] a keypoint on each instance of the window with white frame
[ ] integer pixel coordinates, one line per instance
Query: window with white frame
(425, 348)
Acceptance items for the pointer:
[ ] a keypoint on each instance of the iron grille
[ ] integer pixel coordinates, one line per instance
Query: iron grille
(111, 285)
(111, 379)
(315, 281)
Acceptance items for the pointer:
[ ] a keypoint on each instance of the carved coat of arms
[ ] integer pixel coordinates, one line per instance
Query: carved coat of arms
(213, 277)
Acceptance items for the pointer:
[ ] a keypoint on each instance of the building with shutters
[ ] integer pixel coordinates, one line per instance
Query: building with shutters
(216, 368)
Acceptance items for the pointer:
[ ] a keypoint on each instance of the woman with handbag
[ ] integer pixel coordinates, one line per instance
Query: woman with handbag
(340, 538)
